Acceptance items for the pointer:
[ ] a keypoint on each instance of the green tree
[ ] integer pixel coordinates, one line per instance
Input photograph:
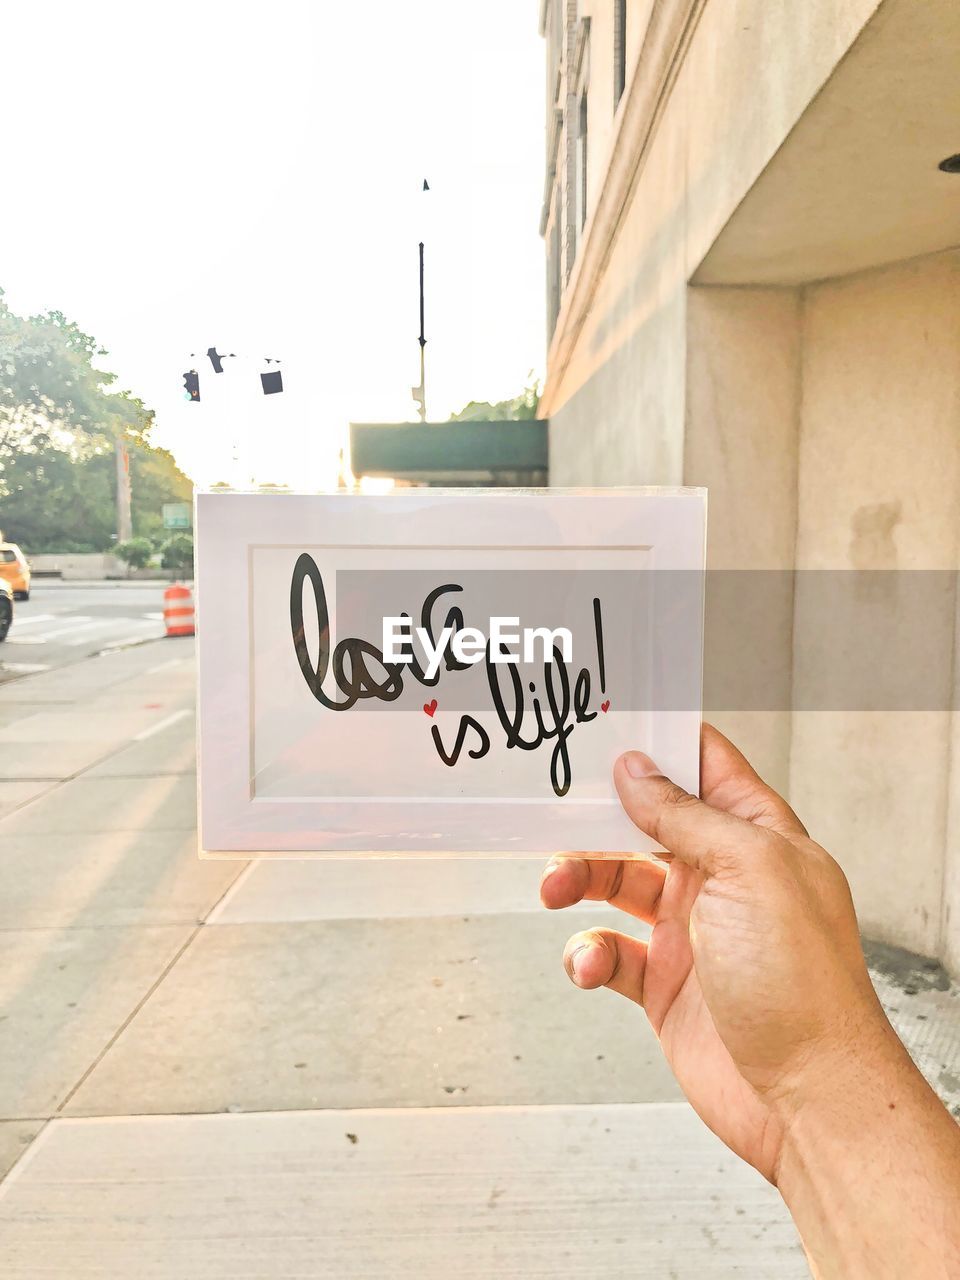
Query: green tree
(49, 390)
(60, 419)
(521, 408)
(155, 479)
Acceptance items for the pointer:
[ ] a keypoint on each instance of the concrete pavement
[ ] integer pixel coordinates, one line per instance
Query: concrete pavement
(328, 1068)
(471, 1193)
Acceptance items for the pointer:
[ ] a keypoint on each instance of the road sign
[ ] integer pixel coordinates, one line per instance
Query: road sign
(177, 515)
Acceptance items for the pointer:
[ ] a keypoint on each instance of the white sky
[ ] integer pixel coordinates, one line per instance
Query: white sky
(248, 176)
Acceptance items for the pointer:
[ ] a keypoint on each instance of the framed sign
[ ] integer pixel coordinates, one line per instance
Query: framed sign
(443, 672)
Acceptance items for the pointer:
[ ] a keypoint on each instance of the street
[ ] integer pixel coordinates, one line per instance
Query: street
(65, 622)
(210, 1069)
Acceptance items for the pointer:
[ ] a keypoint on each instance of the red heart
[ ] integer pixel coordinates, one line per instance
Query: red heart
(605, 706)
(430, 707)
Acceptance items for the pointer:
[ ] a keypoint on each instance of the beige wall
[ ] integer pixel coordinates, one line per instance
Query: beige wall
(741, 440)
(826, 423)
(879, 488)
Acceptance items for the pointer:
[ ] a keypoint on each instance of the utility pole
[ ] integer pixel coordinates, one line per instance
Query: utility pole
(420, 393)
(124, 519)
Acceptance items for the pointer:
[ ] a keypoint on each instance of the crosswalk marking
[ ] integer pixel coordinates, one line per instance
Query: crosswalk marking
(108, 624)
(73, 623)
(37, 617)
(81, 630)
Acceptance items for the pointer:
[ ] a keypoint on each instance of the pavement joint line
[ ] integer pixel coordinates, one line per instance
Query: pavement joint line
(154, 986)
(25, 1157)
(112, 1040)
(99, 831)
(172, 719)
(101, 928)
(51, 1123)
(227, 896)
(502, 1108)
(59, 782)
(162, 666)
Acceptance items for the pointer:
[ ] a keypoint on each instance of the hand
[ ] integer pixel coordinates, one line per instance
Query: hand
(755, 982)
(753, 978)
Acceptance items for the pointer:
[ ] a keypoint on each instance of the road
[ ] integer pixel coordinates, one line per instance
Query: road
(66, 622)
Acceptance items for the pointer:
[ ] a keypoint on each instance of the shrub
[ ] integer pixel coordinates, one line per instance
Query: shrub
(178, 553)
(137, 553)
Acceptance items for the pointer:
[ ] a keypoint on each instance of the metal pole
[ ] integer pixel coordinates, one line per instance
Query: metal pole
(423, 343)
(124, 521)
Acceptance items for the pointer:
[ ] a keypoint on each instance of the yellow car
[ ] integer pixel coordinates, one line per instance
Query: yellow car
(15, 570)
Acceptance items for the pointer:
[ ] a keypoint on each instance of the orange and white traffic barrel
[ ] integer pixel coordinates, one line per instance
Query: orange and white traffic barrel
(178, 610)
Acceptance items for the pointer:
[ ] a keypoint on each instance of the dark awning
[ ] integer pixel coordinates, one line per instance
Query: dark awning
(468, 452)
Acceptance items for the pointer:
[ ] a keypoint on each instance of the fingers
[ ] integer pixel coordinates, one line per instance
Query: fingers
(633, 886)
(701, 836)
(604, 958)
(728, 781)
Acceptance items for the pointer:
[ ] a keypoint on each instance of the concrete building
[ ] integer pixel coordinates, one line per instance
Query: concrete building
(754, 284)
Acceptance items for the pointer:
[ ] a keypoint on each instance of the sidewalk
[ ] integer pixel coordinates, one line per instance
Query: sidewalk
(328, 1068)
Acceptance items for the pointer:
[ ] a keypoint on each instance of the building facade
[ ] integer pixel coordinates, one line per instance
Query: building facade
(753, 284)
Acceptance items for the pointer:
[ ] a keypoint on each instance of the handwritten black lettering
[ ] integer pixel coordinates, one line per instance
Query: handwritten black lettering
(360, 672)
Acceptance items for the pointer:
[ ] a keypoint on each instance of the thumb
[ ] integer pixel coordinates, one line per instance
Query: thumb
(693, 831)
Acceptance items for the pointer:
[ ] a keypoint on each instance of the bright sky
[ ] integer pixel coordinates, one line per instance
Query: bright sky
(248, 176)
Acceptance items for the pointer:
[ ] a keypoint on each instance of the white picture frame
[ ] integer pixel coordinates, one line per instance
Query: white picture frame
(267, 751)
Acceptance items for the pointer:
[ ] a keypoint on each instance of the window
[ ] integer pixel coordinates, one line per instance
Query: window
(7, 556)
(619, 50)
(582, 165)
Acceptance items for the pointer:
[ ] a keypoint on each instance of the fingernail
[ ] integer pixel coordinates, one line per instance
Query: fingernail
(552, 866)
(578, 955)
(639, 766)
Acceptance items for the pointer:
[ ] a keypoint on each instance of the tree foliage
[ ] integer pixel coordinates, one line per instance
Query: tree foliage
(521, 408)
(60, 418)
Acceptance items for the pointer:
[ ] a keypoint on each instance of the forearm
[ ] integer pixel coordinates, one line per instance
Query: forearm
(870, 1171)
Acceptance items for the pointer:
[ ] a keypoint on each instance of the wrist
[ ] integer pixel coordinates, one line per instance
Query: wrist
(870, 1166)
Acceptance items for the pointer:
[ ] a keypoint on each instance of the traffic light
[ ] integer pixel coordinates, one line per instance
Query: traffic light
(191, 381)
